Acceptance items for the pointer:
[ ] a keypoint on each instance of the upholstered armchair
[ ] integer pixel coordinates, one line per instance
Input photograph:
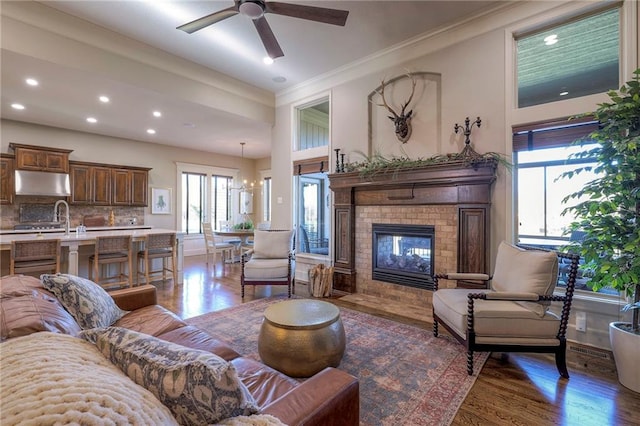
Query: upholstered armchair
(271, 261)
(513, 314)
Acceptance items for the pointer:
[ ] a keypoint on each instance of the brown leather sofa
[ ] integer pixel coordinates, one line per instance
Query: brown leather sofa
(330, 397)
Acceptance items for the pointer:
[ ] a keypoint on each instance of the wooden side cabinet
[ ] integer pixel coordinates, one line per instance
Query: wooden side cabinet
(43, 159)
(7, 188)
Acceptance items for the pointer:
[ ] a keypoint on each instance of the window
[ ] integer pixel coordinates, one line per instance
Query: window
(540, 193)
(266, 199)
(577, 58)
(541, 155)
(312, 125)
(193, 202)
(206, 196)
(312, 213)
(311, 184)
(221, 199)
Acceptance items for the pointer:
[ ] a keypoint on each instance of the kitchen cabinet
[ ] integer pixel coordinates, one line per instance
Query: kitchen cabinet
(90, 184)
(7, 189)
(43, 159)
(130, 186)
(108, 185)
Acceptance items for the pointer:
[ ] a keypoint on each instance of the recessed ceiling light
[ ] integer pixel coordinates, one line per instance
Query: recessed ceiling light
(104, 99)
(91, 120)
(157, 114)
(279, 79)
(32, 81)
(565, 93)
(551, 39)
(151, 131)
(17, 106)
(267, 60)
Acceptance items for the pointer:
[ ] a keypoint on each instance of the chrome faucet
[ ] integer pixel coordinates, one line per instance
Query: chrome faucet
(56, 216)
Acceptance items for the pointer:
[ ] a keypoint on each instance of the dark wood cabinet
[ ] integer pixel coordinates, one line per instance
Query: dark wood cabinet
(121, 187)
(7, 189)
(90, 184)
(130, 186)
(43, 159)
(108, 185)
(139, 184)
(101, 185)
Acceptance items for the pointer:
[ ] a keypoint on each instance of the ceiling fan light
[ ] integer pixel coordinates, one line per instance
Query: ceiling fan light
(251, 9)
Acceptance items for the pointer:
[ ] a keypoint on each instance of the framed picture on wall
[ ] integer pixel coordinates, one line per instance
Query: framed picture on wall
(160, 200)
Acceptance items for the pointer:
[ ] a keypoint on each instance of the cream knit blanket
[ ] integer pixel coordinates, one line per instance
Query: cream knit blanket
(55, 379)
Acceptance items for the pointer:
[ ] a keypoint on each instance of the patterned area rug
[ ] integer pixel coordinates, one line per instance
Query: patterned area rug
(407, 376)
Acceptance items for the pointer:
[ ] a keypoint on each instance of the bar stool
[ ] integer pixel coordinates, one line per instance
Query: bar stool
(158, 246)
(109, 251)
(32, 256)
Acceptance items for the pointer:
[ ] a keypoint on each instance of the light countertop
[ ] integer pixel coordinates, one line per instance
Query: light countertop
(82, 239)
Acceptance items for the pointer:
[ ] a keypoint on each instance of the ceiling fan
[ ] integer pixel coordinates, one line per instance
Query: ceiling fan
(256, 9)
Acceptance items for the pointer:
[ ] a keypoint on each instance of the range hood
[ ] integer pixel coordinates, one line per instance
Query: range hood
(42, 183)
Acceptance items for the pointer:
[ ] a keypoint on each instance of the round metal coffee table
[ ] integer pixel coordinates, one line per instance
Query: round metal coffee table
(301, 337)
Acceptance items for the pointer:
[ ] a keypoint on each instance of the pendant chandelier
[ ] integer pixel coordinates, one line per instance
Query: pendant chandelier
(245, 186)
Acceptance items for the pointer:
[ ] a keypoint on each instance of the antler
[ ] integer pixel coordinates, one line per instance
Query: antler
(413, 90)
(384, 101)
(404, 106)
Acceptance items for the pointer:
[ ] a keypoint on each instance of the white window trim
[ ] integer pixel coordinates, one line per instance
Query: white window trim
(296, 154)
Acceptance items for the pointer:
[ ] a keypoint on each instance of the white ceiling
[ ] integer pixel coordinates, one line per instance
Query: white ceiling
(67, 93)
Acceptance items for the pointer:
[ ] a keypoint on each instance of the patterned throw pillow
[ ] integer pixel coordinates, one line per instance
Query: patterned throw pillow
(86, 301)
(197, 386)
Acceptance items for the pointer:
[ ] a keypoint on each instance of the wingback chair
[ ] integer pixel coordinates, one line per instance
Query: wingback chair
(271, 261)
(513, 314)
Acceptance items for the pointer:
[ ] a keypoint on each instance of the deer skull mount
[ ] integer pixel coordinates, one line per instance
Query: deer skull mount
(402, 121)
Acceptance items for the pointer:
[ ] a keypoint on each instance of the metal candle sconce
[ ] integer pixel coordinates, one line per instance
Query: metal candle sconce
(339, 161)
(467, 152)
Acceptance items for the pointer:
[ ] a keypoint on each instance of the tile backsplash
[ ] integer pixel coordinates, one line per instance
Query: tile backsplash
(40, 209)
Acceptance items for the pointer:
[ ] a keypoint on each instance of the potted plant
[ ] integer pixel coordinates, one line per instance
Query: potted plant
(608, 213)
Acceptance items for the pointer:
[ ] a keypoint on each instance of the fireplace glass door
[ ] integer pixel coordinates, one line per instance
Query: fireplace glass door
(403, 254)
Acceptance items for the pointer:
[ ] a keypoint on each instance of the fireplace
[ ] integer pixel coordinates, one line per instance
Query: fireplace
(403, 254)
(454, 197)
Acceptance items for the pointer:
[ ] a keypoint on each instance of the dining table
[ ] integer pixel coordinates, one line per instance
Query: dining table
(243, 239)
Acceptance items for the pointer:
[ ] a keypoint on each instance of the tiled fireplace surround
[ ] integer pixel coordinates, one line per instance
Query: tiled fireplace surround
(454, 198)
(443, 218)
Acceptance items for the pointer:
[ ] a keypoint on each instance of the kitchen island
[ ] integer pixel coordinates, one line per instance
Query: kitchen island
(77, 247)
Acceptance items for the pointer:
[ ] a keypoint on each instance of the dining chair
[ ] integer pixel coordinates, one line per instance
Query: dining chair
(215, 245)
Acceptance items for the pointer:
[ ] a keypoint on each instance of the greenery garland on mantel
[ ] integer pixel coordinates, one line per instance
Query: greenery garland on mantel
(378, 164)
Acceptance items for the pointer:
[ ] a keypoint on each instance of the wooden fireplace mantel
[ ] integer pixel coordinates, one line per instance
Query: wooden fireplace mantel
(455, 183)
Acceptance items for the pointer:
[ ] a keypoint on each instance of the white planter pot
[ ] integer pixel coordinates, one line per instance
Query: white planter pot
(626, 347)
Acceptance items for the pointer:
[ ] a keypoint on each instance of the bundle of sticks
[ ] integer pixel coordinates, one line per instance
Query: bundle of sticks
(321, 281)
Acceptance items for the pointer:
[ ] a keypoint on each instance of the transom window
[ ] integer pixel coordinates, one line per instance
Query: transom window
(577, 58)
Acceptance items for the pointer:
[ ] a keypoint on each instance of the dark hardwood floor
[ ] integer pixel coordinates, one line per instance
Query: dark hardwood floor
(513, 389)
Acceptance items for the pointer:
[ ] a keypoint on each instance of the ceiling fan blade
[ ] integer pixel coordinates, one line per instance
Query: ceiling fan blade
(205, 21)
(311, 13)
(268, 38)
